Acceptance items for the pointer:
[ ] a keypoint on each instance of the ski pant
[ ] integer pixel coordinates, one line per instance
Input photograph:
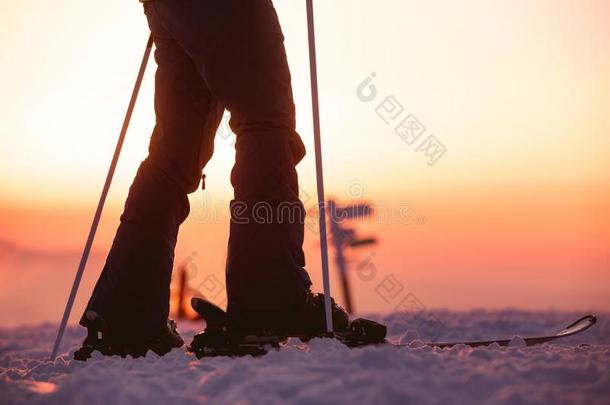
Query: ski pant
(212, 55)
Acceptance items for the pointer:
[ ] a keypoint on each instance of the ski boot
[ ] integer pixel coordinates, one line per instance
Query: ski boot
(256, 335)
(101, 338)
(358, 332)
(362, 332)
(218, 339)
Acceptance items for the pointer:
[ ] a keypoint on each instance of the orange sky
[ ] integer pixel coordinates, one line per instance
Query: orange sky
(515, 213)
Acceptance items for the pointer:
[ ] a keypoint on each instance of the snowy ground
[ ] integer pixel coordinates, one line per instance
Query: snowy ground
(577, 370)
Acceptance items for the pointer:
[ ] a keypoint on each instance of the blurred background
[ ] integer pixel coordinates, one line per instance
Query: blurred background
(478, 133)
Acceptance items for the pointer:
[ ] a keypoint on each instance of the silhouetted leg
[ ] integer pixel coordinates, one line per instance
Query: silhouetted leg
(133, 290)
(238, 47)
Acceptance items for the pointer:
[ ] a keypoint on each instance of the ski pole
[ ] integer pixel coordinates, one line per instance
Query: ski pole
(319, 173)
(100, 205)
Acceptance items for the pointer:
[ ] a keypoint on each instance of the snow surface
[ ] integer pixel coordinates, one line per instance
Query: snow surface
(577, 370)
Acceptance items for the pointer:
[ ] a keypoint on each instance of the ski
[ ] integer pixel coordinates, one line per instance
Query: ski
(578, 326)
(216, 339)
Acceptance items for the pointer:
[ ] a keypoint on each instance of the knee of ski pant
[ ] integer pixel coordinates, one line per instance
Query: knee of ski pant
(155, 201)
(183, 167)
(265, 165)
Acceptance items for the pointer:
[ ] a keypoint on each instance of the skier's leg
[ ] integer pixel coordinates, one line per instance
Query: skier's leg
(133, 290)
(238, 47)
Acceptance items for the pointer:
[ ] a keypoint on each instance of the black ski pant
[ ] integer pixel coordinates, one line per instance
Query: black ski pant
(212, 55)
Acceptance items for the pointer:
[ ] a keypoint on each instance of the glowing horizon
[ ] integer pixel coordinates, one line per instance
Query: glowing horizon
(517, 93)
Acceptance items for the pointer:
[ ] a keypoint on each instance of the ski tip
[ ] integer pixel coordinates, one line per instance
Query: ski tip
(195, 302)
(199, 305)
(579, 325)
(210, 312)
(587, 319)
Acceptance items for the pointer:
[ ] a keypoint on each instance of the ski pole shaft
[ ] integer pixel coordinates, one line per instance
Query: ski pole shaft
(315, 106)
(102, 200)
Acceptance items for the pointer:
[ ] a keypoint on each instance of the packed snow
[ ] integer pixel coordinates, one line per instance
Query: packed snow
(574, 370)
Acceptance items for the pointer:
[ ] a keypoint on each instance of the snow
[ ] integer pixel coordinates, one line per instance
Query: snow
(517, 341)
(576, 370)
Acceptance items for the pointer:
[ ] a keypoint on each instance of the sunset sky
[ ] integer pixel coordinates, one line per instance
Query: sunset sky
(516, 213)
